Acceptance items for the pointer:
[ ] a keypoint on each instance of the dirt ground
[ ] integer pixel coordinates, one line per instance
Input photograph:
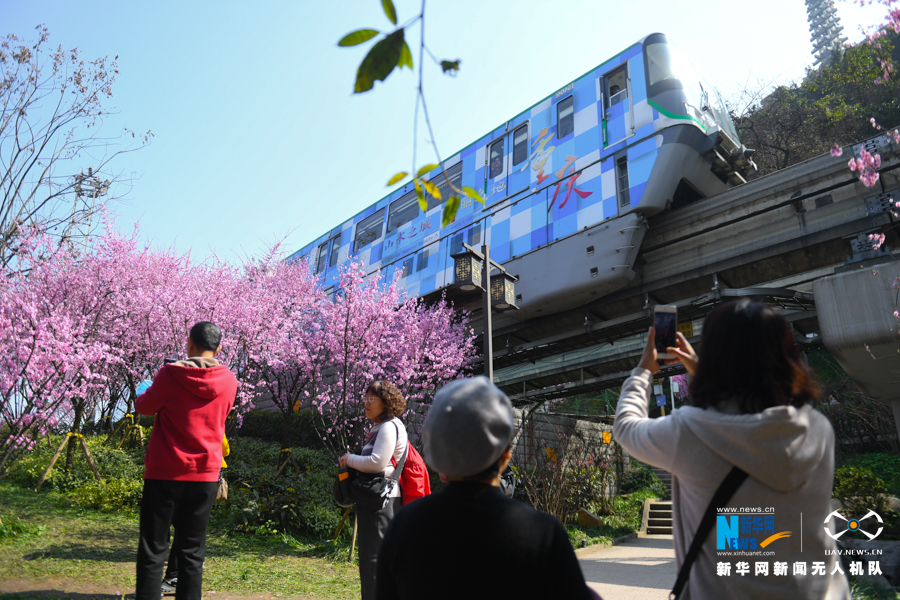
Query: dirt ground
(56, 588)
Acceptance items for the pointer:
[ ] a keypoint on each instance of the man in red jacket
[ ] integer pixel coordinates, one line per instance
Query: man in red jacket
(191, 399)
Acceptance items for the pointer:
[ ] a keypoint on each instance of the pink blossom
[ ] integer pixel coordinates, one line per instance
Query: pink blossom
(836, 150)
(869, 178)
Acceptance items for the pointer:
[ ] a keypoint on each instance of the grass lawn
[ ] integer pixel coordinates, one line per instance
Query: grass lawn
(83, 553)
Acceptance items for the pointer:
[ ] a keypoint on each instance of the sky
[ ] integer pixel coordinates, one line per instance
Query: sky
(258, 138)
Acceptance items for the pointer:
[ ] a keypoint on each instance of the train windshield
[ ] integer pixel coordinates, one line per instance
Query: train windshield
(668, 68)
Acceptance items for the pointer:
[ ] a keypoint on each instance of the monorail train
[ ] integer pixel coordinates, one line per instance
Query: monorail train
(567, 184)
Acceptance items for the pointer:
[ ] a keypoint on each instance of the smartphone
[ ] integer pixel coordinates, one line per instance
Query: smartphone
(665, 322)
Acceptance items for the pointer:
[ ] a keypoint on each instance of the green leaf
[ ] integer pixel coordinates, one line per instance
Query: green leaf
(423, 204)
(432, 189)
(450, 208)
(355, 38)
(471, 193)
(426, 170)
(398, 177)
(450, 66)
(379, 62)
(405, 57)
(388, 7)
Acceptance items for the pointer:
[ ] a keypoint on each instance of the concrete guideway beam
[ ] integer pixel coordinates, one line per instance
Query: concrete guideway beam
(792, 226)
(856, 316)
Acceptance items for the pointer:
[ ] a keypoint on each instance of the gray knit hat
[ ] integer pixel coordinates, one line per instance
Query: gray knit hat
(470, 424)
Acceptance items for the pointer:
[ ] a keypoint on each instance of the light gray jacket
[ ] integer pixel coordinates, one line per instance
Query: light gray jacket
(789, 455)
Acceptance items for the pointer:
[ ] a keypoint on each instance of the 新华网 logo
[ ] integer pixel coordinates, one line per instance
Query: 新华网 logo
(746, 531)
(853, 524)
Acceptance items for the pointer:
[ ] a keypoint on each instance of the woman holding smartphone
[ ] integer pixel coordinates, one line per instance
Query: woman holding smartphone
(751, 409)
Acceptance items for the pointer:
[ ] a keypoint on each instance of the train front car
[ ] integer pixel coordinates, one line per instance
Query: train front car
(663, 138)
(699, 153)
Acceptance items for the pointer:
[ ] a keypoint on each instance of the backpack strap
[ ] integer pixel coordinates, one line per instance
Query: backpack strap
(726, 490)
(399, 468)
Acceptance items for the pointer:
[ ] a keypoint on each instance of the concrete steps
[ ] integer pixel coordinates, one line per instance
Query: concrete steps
(658, 513)
(659, 518)
(666, 478)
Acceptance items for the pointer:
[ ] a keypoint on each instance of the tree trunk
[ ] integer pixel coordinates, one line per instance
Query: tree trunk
(76, 428)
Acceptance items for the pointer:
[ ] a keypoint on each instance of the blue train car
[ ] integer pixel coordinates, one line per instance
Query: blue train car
(567, 185)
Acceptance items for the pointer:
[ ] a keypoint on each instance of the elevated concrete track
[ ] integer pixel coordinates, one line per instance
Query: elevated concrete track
(769, 238)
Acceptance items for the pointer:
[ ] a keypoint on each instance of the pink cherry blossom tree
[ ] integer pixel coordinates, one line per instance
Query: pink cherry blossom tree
(85, 324)
(373, 331)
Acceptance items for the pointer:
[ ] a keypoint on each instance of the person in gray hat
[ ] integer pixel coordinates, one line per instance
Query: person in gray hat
(469, 536)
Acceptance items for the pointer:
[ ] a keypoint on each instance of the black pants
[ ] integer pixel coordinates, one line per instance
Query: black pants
(185, 504)
(172, 561)
(372, 524)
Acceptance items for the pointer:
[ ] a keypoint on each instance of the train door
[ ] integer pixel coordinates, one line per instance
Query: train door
(519, 178)
(618, 113)
(330, 252)
(497, 169)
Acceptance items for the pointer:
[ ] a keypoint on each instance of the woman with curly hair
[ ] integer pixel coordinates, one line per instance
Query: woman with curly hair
(387, 439)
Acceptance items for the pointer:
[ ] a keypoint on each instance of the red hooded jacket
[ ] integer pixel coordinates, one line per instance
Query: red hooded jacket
(191, 399)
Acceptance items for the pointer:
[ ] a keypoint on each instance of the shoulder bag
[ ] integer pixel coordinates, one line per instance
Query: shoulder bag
(373, 490)
(726, 490)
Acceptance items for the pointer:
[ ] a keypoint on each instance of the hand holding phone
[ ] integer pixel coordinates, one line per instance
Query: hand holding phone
(665, 322)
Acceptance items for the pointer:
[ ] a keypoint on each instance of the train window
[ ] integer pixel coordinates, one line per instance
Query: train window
(403, 211)
(617, 83)
(369, 230)
(520, 145)
(565, 117)
(335, 250)
(660, 63)
(321, 256)
(422, 261)
(454, 174)
(406, 268)
(474, 235)
(622, 176)
(496, 160)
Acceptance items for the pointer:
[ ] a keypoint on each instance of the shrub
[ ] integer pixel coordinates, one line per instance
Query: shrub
(272, 426)
(110, 495)
(295, 502)
(883, 465)
(562, 470)
(859, 491)
(123, 463)
(641, 477)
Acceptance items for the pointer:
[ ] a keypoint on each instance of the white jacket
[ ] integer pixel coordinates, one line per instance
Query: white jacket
(384, 441)
(789, 455)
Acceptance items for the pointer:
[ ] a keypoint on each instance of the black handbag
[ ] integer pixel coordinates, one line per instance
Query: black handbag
(370, 490)
(341, 488)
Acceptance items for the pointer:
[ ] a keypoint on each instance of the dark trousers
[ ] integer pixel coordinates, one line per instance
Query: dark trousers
(185, 504)
(172, 562)
(371, 526)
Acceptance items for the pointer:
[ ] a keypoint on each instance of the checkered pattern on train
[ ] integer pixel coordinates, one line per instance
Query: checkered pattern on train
(514, 220)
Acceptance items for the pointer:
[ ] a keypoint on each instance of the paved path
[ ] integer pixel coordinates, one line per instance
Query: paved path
(639, 569)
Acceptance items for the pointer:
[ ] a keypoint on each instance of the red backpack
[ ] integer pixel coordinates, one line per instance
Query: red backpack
(415, 482)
